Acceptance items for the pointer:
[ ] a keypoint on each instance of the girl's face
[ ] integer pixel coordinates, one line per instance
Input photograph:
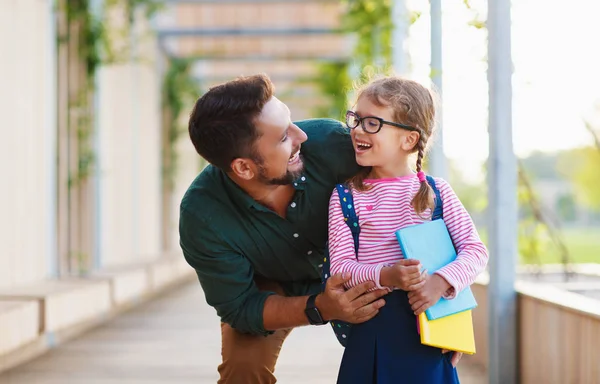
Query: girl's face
(391, 145)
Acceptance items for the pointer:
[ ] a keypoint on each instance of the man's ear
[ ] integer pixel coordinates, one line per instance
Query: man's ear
(243, 168)
(410, 141)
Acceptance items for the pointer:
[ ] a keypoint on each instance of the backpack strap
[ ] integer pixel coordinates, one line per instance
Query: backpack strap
(438, 211)
(350, 217)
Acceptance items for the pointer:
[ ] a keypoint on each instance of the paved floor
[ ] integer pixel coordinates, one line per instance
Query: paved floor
(176, 339)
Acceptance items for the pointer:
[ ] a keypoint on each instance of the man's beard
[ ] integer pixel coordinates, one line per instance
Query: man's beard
(287, 178)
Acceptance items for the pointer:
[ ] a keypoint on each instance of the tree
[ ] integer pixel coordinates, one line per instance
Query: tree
(541, 165)
(582, 167)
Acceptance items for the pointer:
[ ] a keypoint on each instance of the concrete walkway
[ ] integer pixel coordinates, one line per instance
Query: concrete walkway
(176, 339)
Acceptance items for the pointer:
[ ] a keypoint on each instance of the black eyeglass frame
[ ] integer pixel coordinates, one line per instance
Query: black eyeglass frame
(360, 121)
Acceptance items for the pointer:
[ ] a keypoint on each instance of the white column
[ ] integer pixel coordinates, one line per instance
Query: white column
(401, 20)
(135, 94)
(96, 9)
(502, 210)
(437, 160)
(50, 140)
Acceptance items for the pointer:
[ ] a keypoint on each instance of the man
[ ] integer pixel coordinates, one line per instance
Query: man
(253, 224)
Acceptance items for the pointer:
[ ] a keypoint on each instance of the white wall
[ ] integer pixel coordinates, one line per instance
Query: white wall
(129, 158)
(27, 141)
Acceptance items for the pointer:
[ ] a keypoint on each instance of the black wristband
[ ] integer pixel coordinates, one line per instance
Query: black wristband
(312, 312)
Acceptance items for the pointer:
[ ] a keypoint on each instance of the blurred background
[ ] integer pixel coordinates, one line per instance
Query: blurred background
(95, 155)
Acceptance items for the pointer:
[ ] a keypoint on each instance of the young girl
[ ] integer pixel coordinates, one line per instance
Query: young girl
(394, 118)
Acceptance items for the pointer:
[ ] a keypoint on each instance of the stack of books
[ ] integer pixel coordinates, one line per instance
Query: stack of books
(448, 324)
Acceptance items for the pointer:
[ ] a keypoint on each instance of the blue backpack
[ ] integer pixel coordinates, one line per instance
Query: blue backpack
(341, 328)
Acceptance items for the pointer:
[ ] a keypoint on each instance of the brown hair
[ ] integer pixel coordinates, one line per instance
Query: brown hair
(221, 124)
(413, 105)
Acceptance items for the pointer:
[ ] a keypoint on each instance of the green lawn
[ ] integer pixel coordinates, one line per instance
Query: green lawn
(583, 245)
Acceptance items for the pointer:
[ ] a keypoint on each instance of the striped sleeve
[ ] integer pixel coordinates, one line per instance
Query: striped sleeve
(341, 249)
(472, 255)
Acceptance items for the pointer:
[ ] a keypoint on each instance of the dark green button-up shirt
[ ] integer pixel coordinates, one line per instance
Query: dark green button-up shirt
(228, 238)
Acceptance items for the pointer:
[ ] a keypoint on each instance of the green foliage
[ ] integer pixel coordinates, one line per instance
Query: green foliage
(582, 167)
(566, 208)
(536, 229)
(531, 229)
(477, 20)
(335, 83)
(472, 195)
(179, 86)
(532, 241)
(371, 22)
(180, 90)
(542, 165)
(94, 48)
(150, 7)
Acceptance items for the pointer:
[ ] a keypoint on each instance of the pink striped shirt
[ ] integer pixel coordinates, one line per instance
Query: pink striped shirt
(384, 209)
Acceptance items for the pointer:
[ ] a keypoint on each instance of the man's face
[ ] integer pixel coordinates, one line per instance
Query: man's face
(278, 148)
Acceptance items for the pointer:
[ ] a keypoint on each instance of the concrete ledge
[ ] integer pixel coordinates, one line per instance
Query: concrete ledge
(64, 303)
(128, 286)
(19, 323)
(583, 269)
(38, 317)
(168, 270)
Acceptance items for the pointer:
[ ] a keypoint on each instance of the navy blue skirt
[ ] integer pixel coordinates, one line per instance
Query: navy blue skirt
(387, 350)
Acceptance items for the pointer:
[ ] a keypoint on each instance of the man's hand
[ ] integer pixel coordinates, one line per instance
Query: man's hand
(404, 274)
(355, 305)
(429, 294)
(456, 356)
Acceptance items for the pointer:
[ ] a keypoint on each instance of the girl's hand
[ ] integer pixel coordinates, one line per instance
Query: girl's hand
(404, 274)
(429, 294)
(455, 357)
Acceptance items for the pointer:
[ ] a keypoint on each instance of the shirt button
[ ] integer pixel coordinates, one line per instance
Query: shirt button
(295, 184)
(296, 235)
(293, 205)
(309, 253)
(303, 178)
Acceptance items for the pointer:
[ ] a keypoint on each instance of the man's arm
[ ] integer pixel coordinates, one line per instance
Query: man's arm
(226, 276)
(353, 306)
(330, 141)
(227, 279)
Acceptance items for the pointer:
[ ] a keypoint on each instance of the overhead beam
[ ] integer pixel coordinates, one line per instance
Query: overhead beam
(277, 77)
(244, 1)
(323, 59)
(255, 32)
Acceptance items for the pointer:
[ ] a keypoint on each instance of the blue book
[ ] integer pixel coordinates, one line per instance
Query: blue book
(430, 243)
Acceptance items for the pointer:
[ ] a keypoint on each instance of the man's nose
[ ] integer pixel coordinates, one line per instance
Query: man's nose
(299, 135)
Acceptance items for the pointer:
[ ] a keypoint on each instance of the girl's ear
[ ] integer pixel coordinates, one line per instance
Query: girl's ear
(410, 141)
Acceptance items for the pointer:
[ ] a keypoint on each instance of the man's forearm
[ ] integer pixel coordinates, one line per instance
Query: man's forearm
(284, 312)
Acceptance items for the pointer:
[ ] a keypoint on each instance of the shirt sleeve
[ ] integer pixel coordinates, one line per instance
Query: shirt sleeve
(341, 249)
(226, 276)
(472, 254)
(331, 145)
(345, 156)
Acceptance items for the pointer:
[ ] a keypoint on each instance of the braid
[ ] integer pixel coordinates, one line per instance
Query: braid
(424, 197)
(420, 153)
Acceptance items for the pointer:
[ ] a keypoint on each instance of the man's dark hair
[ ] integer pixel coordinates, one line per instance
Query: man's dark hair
(221, 124)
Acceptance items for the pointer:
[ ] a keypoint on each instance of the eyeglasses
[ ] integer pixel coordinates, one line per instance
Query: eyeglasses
(372, 124)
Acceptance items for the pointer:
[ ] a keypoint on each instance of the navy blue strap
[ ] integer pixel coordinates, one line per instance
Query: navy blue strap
(349, 213)
(438, 211)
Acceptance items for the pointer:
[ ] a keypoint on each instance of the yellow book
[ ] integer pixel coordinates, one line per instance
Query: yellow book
(454, 332)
